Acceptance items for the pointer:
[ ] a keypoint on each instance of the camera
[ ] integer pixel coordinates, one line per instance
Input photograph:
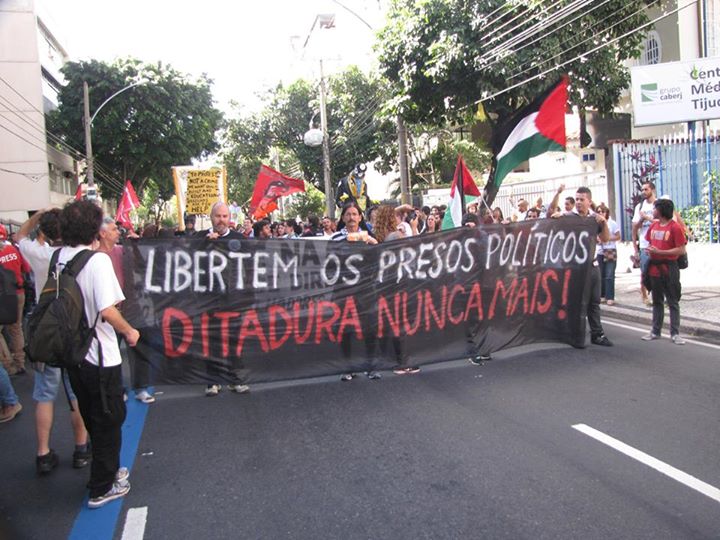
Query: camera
(411, 216)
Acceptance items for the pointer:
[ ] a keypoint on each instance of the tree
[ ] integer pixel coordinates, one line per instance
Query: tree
(442, 56)
(143, 132)
(358, 132)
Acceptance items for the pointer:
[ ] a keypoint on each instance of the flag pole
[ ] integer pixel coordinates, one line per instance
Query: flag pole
(460, 186)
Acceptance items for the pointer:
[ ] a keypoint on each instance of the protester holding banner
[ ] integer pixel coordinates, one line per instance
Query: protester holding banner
(583, 202)
(220, 219)
(354, 229)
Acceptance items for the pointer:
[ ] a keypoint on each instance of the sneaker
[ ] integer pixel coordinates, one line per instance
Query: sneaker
(677, 340)
(650, 337)
(212, 390)
(9, 412)
(145, 396)
(122, 476)
(373, 375)
(412, 370)
(611, 302)
(81, 458)
(115, 492)
(401, 371)
(239, 388)
(601, 340)
(45, 464)
(347, 376)
(478, 360)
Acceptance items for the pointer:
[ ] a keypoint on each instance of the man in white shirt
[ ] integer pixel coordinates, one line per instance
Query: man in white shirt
(48, 380)
(642, 219)
(97, 381)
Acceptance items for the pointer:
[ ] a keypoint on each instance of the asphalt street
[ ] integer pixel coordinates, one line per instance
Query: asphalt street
(457, 451)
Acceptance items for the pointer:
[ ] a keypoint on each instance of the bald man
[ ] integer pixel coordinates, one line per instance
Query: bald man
(220, 219)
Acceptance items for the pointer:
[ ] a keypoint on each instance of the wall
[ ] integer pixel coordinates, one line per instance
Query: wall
(23, 157)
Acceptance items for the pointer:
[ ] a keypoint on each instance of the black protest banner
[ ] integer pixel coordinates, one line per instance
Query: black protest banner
(216, 310)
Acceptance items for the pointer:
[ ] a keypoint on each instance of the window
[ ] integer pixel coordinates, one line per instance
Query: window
(588, 157)
(652, 49)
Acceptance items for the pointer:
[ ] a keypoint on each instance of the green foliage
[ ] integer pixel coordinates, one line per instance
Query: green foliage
(312, 201)
(358, 132)
(442, 56)
(141, 133)
(698, 217)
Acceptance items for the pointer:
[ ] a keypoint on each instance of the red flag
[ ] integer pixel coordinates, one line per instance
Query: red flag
(269, 187)
(79, 193)
(128, 202)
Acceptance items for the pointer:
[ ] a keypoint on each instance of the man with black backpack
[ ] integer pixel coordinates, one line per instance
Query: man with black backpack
(97, 379)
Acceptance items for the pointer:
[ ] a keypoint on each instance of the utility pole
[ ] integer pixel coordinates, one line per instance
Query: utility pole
(90, 173)
(403, 162)
(329, 199)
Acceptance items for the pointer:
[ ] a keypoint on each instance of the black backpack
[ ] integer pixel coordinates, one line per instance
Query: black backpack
(8, 297)
(58, 333)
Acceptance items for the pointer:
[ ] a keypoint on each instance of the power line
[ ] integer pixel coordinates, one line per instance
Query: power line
(589, 38)
(107, 176)
(599, 47)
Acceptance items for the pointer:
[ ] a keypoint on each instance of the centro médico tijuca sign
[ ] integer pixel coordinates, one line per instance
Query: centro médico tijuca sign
(676, 92)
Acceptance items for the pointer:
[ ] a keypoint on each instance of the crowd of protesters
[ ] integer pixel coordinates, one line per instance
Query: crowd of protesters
(658, 238)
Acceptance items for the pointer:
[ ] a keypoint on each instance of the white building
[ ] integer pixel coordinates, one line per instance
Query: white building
(33, 175)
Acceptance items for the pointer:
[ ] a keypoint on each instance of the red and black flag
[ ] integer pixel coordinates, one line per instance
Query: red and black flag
(269, 187)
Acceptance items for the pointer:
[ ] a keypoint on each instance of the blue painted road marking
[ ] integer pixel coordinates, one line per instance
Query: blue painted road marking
(99, 524)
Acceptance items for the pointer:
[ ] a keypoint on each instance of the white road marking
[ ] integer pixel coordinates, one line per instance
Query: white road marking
(660, 466)
(135, 524)
(646, 330)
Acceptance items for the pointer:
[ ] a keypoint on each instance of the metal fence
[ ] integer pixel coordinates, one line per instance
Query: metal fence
(678, 166)
(546, 189)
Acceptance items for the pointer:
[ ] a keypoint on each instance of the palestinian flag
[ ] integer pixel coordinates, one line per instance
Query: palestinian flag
(533, 130)
(462, 192)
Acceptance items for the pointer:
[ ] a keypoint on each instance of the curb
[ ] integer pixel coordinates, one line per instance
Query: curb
(690, 327)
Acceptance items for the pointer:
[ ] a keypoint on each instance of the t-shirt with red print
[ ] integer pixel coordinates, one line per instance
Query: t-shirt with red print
(11, 259)
(664, 237)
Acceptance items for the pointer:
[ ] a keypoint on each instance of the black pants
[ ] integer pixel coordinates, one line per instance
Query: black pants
(104, 426)
(593, 308)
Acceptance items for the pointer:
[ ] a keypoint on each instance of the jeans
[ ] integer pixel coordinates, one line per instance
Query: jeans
(666, 288)
(593, 308)
(7, 392)
(608, 279)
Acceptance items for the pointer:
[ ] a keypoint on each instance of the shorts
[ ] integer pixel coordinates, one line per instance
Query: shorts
(644, 261)
(47, 385)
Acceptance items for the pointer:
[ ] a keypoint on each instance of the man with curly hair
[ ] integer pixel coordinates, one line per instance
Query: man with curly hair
(97, 381)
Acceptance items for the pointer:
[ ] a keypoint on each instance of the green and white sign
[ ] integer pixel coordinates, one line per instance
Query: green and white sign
(676, 92)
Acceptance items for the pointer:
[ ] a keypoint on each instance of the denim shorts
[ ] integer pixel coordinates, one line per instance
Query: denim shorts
(644, 261)
(47, 385)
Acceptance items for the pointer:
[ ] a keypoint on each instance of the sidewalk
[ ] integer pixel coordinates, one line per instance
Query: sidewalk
(700, 303)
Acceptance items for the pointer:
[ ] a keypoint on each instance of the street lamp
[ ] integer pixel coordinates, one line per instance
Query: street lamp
(311, 138)
(87, 121)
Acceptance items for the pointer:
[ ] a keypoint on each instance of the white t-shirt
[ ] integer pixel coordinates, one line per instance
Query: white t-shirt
(645, 208)
(100, 290)
(37, 256)
(614, 228)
